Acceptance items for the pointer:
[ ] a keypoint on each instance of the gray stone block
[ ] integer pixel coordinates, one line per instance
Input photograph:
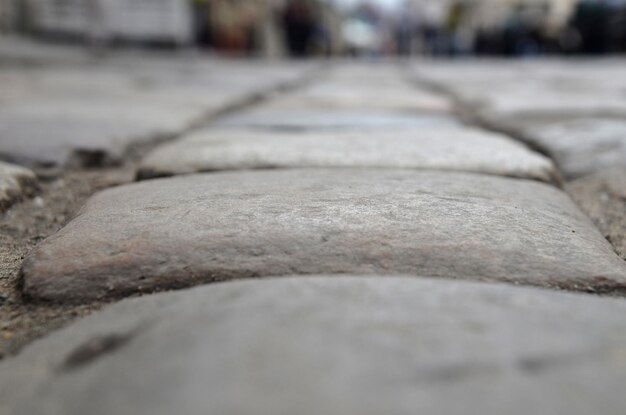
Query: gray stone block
(603, 197)
(171, 233)
(461, 149)
(331, 345)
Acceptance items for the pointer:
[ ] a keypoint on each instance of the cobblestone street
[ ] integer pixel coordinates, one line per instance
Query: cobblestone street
(191, 234)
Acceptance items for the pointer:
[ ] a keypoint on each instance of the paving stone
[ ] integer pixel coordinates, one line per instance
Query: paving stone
(448, 149)
(582, 146)
(15, 183)
(501, 91)
(90, 132)
(364, 96)
(55, 116)
(603, 197)
(300, 119)
(176, 232)
(331, 345)
(539, 100)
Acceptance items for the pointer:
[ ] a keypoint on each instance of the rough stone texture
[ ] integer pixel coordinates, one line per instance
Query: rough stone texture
(15, 183)
(582, 146)
(340, 345)
(300, 119)
(189, 230)
(449, 149)
(603, 197)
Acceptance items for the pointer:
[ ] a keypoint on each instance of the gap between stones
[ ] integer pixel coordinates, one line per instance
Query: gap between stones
(471, 117)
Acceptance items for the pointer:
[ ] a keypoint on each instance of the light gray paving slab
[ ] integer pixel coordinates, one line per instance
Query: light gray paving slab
(15, 183)
(462, 149)
(603, 197)
(581, 146)
(49, 115)
(312, 118)
(56, 132)
(189, 230)
(368, 95)
(331, 345)
(501, 91)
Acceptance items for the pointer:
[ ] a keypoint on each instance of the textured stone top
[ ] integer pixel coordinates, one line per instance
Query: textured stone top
(333, 345)
(462, 149)
(189, 230)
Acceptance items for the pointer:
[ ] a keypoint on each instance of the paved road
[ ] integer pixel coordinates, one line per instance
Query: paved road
(424, 220)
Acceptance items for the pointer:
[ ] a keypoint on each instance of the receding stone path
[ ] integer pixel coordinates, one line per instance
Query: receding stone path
(15, 183)
(505, 91)
(462, 149)
(331, 345)
(183, 231)
(574, 111)
(283, 172)
(90, 115)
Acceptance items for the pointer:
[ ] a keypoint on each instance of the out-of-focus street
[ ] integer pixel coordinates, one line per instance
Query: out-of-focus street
(190, 230)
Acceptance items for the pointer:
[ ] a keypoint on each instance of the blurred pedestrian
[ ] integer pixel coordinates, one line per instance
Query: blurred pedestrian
(299, 24)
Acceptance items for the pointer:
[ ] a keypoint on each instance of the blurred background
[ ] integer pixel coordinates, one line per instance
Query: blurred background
(299, 28)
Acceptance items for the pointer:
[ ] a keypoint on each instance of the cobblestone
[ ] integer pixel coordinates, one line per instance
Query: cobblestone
(603, 197)
(331, 345)
(89, 115)
(195, 229)
(461, 149)
(352, 169)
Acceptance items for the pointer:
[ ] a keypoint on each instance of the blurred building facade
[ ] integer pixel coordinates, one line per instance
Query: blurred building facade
(103, 20)
(262, 27)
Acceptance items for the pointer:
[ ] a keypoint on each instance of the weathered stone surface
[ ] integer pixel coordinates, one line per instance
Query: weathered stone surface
(55, 115)
(86, 131)
(189, 230)
(448, 149)
(331, 345)
(15, 183)
(582, 146)
(502, 91)
(284, 118)
(603, 197)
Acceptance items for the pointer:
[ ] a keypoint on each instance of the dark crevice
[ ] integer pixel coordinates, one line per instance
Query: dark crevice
(95, 349)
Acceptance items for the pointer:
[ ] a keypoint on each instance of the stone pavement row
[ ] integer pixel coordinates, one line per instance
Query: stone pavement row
(330, 344)
(185, 231)
(575, 111)
(447, 148)
(90, 113)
